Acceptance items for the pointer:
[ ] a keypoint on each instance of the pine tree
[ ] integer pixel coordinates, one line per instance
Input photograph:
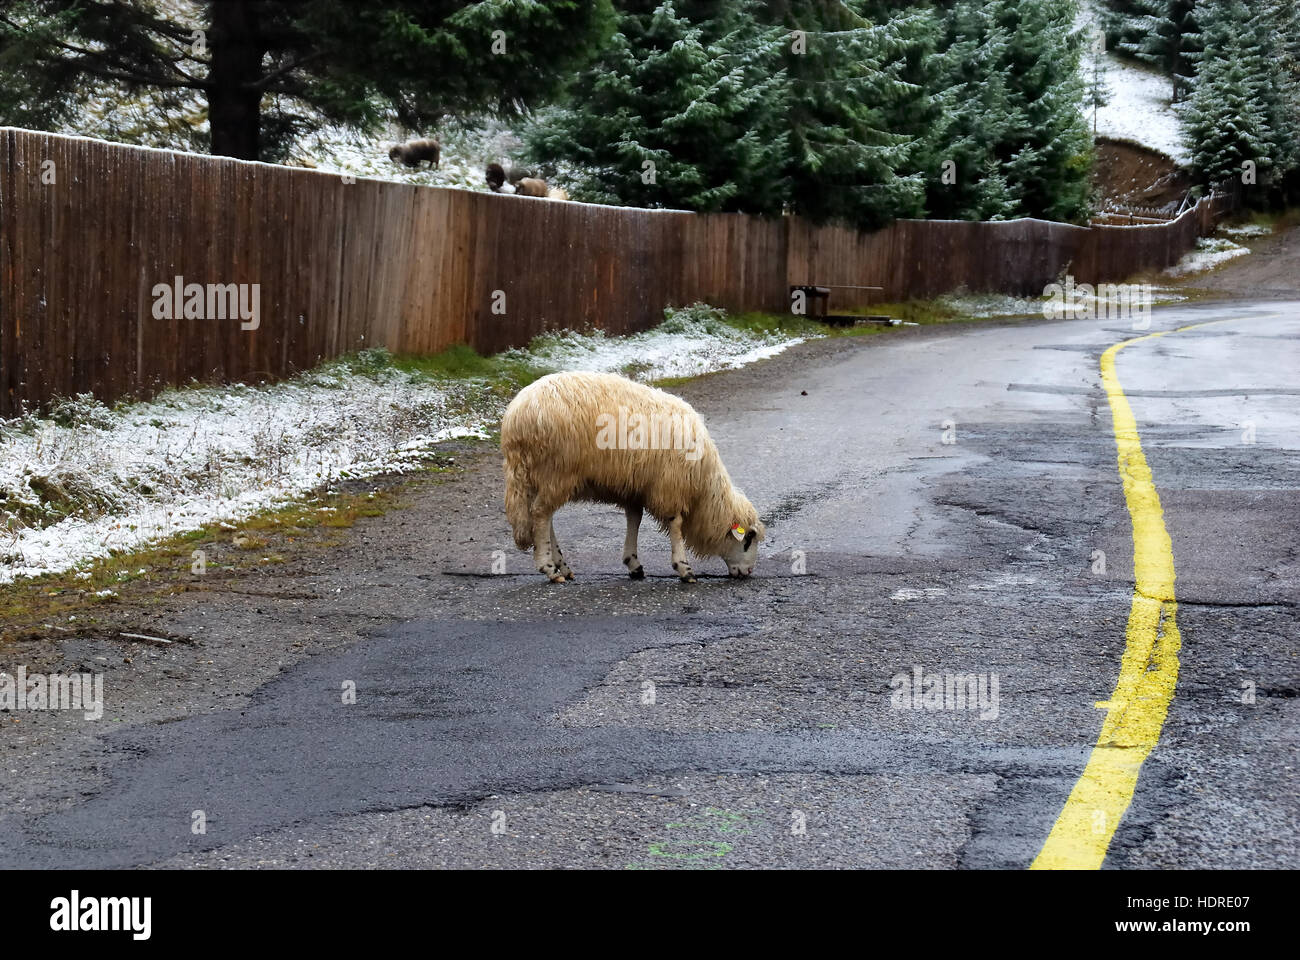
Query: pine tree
(856, 111)
(1226, 121)
(914, 110)
(1245, 105)
(845, 82)
(1279, 27)
(1048, 151)
(1015, 126)
(273, 70)
(677, 114)
(972, 93)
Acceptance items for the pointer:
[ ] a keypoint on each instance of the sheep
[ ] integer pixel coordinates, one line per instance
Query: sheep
(413, 152)
(603, 438)
(531, 187)
(496, 179)
(517, 173)
(524, 186)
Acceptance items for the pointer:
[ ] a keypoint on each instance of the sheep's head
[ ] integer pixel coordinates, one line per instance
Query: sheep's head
(741, 548)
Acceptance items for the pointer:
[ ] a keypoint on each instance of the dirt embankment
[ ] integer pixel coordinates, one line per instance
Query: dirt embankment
(1271, 270)
(1136, 179)
(1131, 177)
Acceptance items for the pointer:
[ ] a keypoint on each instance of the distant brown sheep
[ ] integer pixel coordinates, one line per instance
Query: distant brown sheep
(414, 152)
(496, 179)
(531, 187)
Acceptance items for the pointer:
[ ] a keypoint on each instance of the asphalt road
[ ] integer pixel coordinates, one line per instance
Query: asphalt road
(943, 500)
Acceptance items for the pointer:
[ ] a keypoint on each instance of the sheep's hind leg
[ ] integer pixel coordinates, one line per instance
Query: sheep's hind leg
(561, 567)
(542, 547)
(680, 563)
(634, 568)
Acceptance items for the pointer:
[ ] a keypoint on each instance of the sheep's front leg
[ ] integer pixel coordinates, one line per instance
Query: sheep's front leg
(542, 547)
(680, 564)
(561, 567)
(634, 568)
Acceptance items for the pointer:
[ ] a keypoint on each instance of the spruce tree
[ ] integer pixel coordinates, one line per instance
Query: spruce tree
(1279, 29)
(969, 183)
(845, 82)
(677, 114)
(1015, 126)
(1228, 119)
(273, 70)
(1047, 153)
(858, 111)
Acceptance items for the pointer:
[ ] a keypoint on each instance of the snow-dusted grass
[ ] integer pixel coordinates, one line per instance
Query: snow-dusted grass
(466, 149)
(1123, 301)
(691, 341)
(1247, 230)
(988, 305)
(1210, 252)
(87, 481)
(91, 480)
(983, 305)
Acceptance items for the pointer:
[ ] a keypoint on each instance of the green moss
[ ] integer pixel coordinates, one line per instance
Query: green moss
(33, 605)
(922, 312)
(464, 363)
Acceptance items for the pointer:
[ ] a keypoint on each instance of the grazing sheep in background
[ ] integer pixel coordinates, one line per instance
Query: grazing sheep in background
(517, 173)
(531, 187)
(496, 179)
(414, 152)
(605, 439)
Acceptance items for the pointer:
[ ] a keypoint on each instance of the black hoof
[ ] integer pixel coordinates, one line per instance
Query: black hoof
(637, 574)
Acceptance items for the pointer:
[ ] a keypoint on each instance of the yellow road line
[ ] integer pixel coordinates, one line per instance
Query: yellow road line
(1148, 672)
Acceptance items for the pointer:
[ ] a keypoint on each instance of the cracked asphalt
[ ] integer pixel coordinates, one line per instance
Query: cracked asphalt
(940, 499)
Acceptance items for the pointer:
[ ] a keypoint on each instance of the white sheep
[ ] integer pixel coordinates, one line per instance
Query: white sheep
(606, 439)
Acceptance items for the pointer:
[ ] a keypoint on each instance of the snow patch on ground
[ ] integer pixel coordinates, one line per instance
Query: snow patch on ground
(691, 342)
(990, 305)
(1247, 230)
(1085, 301)
(1140, 109)
(917, 593)
(986, 305)
(1210, 252)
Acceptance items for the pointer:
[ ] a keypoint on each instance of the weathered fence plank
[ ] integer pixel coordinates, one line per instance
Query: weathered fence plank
(343, 266)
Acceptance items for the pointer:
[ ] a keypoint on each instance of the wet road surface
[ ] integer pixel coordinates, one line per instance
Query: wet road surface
(940, 504)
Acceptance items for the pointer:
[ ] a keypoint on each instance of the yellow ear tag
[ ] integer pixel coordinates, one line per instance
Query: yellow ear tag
(738, 531)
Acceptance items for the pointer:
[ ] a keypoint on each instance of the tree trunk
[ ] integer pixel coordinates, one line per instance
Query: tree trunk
(234, 103)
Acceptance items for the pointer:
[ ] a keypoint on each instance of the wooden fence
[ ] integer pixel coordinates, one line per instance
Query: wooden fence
(88, 229)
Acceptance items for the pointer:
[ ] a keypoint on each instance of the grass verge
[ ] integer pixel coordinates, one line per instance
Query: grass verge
(89, 598)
